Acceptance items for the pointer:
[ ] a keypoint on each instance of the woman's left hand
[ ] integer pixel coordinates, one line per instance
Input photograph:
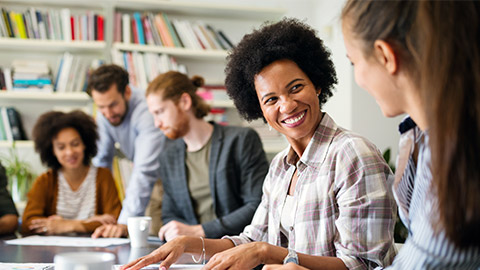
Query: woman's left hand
(245, 256)
(52, 225)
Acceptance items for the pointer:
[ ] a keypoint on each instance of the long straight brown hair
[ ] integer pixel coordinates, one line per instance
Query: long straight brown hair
(439, 42)
(450, 68)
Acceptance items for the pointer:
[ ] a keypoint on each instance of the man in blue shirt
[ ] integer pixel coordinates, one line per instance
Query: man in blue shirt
(124, 121)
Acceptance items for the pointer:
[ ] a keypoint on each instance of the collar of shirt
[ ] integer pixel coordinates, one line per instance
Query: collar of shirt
(316, 151)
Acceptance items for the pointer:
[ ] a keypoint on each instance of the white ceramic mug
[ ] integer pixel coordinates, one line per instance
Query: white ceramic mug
(84, 261)
(138, 229)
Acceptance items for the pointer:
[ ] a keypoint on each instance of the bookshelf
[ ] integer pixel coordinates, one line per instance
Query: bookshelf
(232, 18)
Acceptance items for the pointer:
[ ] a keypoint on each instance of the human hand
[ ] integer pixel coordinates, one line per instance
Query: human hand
(169, 253)
(104, 219)
(288, 266)
(245, 256)
(52, 225)
(175, 228)
(110, 230)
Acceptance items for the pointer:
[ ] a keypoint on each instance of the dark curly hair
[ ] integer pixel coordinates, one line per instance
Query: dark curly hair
(288, 39)
(51, 123)
(105, 76)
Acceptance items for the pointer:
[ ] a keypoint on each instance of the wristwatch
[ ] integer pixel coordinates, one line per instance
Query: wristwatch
(291, 257)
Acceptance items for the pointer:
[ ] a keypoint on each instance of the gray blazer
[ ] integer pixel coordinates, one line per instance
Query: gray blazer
(238, 166)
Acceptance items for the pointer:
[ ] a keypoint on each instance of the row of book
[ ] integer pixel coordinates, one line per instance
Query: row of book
(144, 67)
(52, 24)
(11, 127)
(73, 72)
(159, 30)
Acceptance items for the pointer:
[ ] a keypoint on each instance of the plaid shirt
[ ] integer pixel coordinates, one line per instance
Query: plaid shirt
(344, 206)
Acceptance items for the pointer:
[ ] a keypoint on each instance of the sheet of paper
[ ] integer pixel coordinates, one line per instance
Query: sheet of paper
(26, 266)
(173, 266)
(65, 241)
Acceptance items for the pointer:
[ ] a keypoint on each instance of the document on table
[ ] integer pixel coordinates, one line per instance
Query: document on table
(65, 241)
(26, 266)
(173, 266)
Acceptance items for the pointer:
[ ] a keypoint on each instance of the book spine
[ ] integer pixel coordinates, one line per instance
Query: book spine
(6, 124)
(138, 23)
(126, 29)
(15, 124)
(66, 24)
(100, 28)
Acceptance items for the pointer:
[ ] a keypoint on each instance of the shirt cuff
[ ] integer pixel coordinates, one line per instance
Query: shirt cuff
(237, 240)
(351, 262)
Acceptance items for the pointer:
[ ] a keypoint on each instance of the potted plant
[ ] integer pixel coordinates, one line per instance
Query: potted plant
(19, 174)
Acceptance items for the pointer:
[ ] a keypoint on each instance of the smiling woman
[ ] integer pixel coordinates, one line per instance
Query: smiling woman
(327, 199)
(72, 196)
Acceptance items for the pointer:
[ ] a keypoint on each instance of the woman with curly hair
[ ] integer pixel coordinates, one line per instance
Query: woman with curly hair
(326, 199)
(73, 195)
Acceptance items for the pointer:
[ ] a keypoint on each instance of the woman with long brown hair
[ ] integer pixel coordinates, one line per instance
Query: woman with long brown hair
(423, 59)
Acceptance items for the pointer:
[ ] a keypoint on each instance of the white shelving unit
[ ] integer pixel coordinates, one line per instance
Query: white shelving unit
(233, 18)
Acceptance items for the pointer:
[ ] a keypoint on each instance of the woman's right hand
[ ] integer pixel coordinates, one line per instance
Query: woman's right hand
(169, 253)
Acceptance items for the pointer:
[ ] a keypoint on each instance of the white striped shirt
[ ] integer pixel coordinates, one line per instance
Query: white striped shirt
(416, 203)
(81, 203)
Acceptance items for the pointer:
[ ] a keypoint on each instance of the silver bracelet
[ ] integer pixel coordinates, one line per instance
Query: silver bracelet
(202, 254)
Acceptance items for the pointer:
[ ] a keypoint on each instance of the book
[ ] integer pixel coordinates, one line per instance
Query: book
(3, 86)
(66, 24)
(164, 33)
(34, 21)
(173, 34)
(126, 32)
(139, 28)
(6, 124)
(134, 31)
(148, 31)
(16, 126)
(156, 35)
(100, 28)
(117, 27)
(3, 134)
(8, 23)
(7, 72)
(42, 27)
(225, 38)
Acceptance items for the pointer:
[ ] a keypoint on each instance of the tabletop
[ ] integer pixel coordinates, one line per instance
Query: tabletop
(44, 254)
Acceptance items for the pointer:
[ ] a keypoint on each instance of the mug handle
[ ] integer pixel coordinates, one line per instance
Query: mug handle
(143, 225)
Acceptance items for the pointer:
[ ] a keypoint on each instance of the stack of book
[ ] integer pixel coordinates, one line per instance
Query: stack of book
(73, 73)
(144, 67)
(11, 127)
(52, 24)
(159, 30)
(31, 75)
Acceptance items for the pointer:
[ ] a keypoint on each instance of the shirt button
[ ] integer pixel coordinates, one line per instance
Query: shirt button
(291, 228)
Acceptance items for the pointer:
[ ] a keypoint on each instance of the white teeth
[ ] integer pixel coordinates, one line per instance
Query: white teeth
(294, 120)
